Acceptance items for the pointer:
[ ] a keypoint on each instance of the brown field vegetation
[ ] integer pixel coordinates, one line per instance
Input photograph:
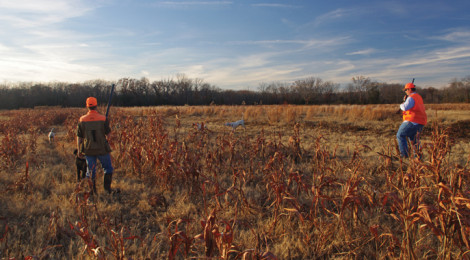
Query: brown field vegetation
(300, 182)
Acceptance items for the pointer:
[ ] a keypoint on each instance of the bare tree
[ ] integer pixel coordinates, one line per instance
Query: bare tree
(310, 89)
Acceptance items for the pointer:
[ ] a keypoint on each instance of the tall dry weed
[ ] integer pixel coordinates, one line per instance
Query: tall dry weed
(254, 113)
(292, 115)
(274, 114)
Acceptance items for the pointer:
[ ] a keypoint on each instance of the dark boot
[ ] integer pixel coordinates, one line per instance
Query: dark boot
(108, 178)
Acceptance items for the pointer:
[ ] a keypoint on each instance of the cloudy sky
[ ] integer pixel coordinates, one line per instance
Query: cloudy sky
(235, 44)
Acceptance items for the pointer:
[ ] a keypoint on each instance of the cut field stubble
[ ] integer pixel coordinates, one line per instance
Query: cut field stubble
(298, 182)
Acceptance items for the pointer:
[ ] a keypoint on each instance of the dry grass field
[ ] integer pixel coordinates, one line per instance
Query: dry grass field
(299, 182)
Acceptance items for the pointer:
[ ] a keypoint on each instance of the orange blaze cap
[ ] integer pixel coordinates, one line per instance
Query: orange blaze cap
(91, 102)
(409, 85)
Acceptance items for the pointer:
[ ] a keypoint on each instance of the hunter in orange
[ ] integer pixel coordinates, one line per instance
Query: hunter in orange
(414, 119)
(91, 141)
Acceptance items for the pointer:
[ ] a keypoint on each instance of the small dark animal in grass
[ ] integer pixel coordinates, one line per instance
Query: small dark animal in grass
(80, 162)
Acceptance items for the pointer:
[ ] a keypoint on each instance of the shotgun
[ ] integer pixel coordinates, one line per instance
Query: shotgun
(406, 96)
(109, 100)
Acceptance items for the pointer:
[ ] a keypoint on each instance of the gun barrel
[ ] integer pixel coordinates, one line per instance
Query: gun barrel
(109, 100)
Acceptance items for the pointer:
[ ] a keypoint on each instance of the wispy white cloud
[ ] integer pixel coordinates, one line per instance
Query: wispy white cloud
(308, 43)
(452, 54)
(46, 70)
(38, 43)
(455, 35)
(432, 68)
(363, 10)
(39, 6)
(194, 3)
(240, 78)
(275, 5)
(337, 14)
(227, 70)
(24, 13)
(393, 7)
(363, 52)
(3, 48)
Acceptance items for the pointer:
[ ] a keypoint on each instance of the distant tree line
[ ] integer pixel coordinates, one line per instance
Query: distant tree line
(185, 91)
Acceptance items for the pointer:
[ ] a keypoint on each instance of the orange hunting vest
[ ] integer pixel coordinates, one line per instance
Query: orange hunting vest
(417, 114)
(93, 128)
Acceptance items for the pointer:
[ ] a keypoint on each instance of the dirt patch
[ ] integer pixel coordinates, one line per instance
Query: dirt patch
(336, 126)
(460, 129)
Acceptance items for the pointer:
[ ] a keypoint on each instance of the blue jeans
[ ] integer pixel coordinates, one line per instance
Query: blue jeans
(410, 131)
(105, 161)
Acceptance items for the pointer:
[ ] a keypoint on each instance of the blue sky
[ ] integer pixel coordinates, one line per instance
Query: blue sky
(235, 44)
